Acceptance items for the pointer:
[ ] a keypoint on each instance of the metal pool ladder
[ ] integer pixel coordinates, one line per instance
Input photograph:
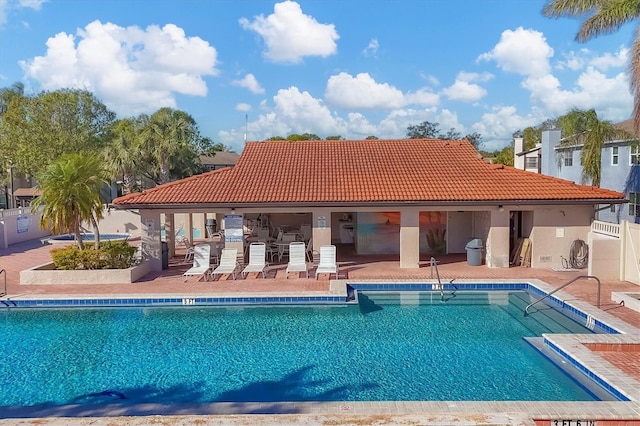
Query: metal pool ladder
(526, 310)
(2, 271)
(433, 263)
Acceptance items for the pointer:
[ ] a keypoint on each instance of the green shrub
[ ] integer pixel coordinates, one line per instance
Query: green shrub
(110, 255)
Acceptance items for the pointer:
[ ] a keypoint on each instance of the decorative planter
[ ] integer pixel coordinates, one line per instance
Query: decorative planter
(47, 274)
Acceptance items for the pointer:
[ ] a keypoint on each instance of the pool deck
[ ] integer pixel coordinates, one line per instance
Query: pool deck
(616, 357)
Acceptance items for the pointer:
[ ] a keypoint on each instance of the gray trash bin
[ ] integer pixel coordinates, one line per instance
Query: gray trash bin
(165, 255)
(474, 252)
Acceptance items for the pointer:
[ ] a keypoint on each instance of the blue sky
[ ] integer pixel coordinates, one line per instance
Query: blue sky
(330, 67)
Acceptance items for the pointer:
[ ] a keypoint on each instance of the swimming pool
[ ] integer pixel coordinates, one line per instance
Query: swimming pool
(86, 237)
(405, 346)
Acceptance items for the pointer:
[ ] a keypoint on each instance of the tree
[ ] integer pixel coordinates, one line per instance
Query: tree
(71, 193)
(504, 156)
(424, 130)
(604, 17)
(35, 131)
(428, 130)
(582, 127)
(532, 135)
(334, 138)
(170, 142)
(303, 137)
(9, 93)
(122, 154)
(371, 137)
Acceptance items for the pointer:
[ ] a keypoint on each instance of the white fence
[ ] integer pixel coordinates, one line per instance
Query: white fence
(614, 251)
(18, 225)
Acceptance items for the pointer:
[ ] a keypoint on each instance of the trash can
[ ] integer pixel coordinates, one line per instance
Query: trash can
(474, 252)
(165, 255)
(211, 227)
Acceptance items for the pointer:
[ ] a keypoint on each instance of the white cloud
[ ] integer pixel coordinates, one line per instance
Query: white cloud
(301, 109)
(249, 82)
(362, 91)
(244, 107)
(290, 35)
(372, 48)
(474, 76)
(6, 6)
(574, 60)
(608, 60)
(525, 52)
(609, 96)
(497, 126)
(130, 69)
(464, 91)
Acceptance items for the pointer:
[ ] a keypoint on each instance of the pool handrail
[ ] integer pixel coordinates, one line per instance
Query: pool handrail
(526, 310)
(2, 271)
(434, 264)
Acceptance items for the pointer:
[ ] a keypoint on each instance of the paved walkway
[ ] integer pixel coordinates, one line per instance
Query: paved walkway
(355, 268)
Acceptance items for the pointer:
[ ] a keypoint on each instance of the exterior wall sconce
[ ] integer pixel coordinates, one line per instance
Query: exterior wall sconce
(233, 210)
(500, 208)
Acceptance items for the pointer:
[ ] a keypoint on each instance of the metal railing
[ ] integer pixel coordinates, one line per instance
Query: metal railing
(526, 310)
(433, 264)
(3, 272)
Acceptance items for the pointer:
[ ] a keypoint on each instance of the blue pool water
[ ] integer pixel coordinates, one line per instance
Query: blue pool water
(89, 237)
(387, 348)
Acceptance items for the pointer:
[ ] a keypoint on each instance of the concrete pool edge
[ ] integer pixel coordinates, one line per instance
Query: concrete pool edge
(536, 410)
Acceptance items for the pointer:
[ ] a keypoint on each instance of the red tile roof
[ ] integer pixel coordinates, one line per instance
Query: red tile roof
(421, 171)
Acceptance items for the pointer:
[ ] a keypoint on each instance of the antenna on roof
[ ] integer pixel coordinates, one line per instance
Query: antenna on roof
(246, 127)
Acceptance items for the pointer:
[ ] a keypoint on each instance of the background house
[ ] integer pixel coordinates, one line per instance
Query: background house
(620, 169)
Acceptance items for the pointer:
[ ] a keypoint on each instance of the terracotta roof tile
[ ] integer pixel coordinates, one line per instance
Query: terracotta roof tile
(365, 171)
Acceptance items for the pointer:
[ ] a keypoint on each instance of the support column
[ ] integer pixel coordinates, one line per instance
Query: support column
(170, 233)
(321, 228)
(409, 238)
(497, 244)
(150, 239)
(188, 227)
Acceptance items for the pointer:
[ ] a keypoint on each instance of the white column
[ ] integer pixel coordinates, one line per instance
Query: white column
(409, 238)
(321, 228)
(497, 244)
(170, 233)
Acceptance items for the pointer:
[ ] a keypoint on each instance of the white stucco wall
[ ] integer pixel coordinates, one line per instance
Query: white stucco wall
(554, 230)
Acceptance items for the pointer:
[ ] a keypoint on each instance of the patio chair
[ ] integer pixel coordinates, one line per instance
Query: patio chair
(305, 230)
(312, 255)
(228, 263)
(201, 262)
(257, 259)
(327, 264)
(297, 258)
(190, 250)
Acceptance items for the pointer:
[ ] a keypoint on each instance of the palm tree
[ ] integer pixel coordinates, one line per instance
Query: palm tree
(122, 154)
(168, 134)
(603, 17)
(71, 194)
(583, 127)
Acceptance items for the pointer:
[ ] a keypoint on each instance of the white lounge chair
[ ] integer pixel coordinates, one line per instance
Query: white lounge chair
(327, 264)
(257, 259)
(297, 258)
(228, 263)
(201, 261)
